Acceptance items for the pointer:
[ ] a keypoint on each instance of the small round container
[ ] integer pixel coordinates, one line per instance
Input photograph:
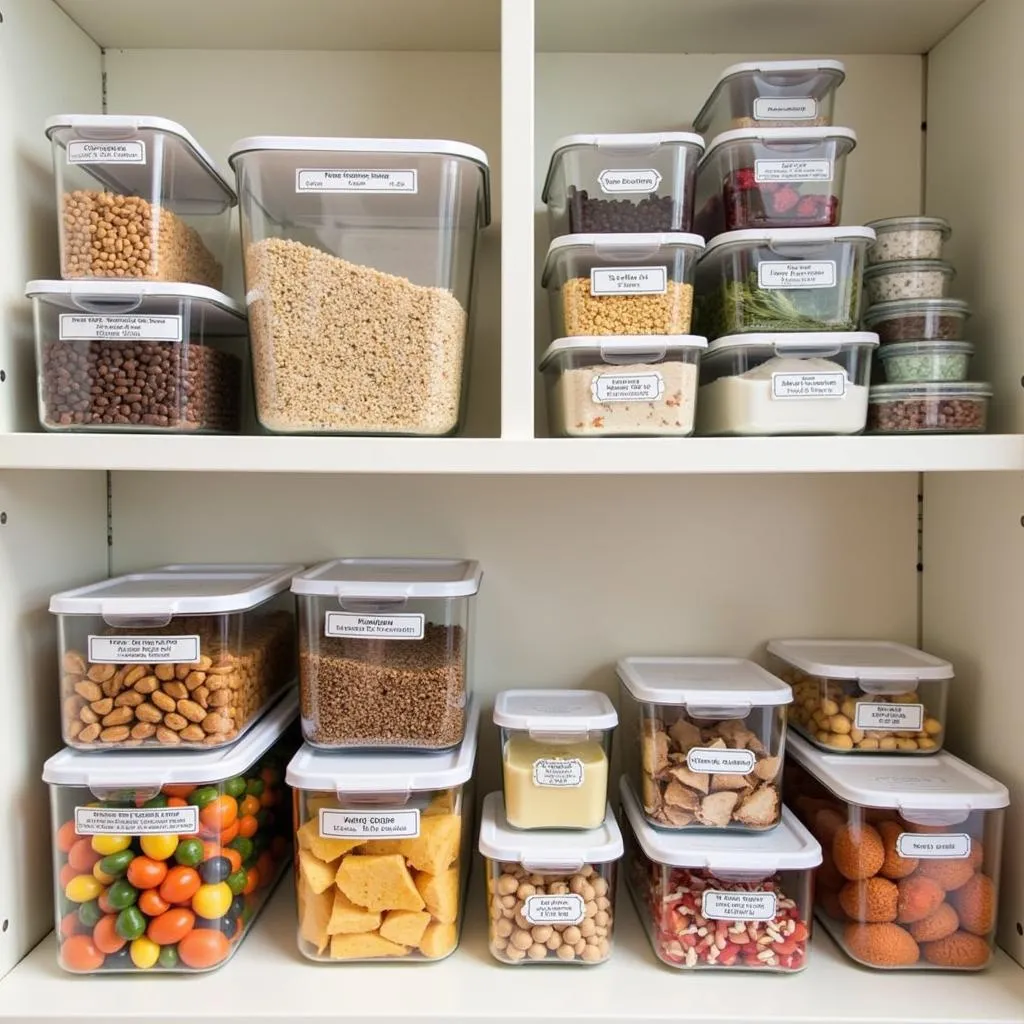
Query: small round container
(917, 362)
(918, 320)
(908, 238)
(908, 279)
(929, 408)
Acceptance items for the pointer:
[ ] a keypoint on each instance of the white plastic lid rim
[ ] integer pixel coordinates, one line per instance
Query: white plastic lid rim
(394, 579)
(559, 712)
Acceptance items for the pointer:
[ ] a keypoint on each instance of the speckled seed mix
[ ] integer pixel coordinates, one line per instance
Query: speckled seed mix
(668, 312)
(920, 327)
(927, 415)
(922, 363)
(911, 241)
(888, 282)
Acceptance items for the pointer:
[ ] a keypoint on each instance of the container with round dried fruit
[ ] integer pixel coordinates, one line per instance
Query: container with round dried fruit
(918, 320)
(722, 901)
(550, 892)
(938, 408)
(704, 741)
(912, 849)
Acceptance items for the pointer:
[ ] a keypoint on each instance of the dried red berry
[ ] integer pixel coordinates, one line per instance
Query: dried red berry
(785, 200)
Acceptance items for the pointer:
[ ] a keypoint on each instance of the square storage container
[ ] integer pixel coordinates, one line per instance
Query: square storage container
(864, 696)
(704, 741)
(622, 182)
(908, 279)
(929, 408)
(626, 386)
(725, 901)
(781, 281)
(912, 849)
(763, 384)
(550, 893)
(359, 257)
(555, 749)
(162, 860)
(926, 362)
(179, 656)
(137, 197)
(908, 238)
(918, 320)
(138, 356)
(772, 178)
(383, 851)
(384, 651)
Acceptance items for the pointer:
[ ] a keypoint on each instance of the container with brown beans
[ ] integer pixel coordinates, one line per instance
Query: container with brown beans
(944, 408)
(918, 320)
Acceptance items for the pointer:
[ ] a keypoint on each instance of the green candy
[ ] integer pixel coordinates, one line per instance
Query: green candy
(130, 923)
(189, 852)
(168, 956)
(116, 864)
(236, 880)
(89, 913)
(201, 797)
(235, 787)
(122, 895)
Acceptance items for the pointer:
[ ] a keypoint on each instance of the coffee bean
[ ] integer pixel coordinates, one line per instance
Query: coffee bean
(652, 213)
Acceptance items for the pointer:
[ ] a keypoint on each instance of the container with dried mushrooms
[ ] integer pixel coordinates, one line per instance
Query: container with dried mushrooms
(704, 741)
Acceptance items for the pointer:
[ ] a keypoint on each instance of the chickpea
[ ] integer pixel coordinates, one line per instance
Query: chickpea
(587, 871)
(604, 948)
(508, 902)
(601, 919)
(588, 927)
(603, 903)
(821, 736)
(507, 885)
(840, 724)
(601, 933)
(932, 726)
(525, 890)
(926, 743)
(538, 951)
(497, 906)
(887, 743)
(868, 743)
(536, 879)
(856, 734)
(577, 884)
(502, 928)
(571, 935)
(829, 707)
(522, 939)
(565, 953)
(542, 932)
(600, 886)
(840, 741)
(906, 744)
(521, 921)
(590, 909)
(588, 894)
(499, 943)
(558, 889)
(554, 942)
(580, 947)
(508, 912)
(592, 954)
(514, 954)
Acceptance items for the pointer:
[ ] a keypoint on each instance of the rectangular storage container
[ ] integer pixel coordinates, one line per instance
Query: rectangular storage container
(926, 362)
(162, 860)
(555, 749)
(359, 257)
(725, 901)
(781, 281)
(384, 651)
(908, 238)
(178, 656)
(772, 178)
(550, 893)
(383, 851)
(622, 182)
(138, 197)
(704, 741)
(918, 320)
(929, 408)
(912, 850)
(626, 386)
(764, 384)
(138, 356)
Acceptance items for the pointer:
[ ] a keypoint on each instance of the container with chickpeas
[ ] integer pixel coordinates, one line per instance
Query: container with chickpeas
(550, 893)
(869, 696)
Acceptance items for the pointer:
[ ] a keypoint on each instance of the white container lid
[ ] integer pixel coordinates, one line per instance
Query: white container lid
(363, 772)
(873, 660)
(608, 347)
(810, 344)
(390, 578)
(541, 849)
(935, 391)
(780, 137)
(624, 246)
(912, 224)
(178, 590)
(703, 682)
(144, 769)
(785, 237)
(554, 711)
(787, 847)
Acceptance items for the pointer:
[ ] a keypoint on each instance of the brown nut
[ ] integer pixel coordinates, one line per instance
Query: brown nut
(148, 713)
(204, 663)
(74, 662)
(162, 701)
(88, 716)
(202, 694)
(194, 680)
(164, 672)
(119, 716)
(72, 705)
(115, 734)
(89, 690)
(181, 671)
(220, 698)
(193, 734)
(128, 699)
(133, 675)
(112, 687)
(175, 689)
(74, 727)
(90, 733)
(175, 721)
(168, 736)
(103, 707)
(146, 685)
(215, 724)
(101, 673)
(191, 710)
(143, 731)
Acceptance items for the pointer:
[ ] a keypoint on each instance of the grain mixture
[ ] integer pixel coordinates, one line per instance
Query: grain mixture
(340, 347)
(668, 312)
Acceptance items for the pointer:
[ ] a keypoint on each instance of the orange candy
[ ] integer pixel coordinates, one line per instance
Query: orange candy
(248, 826)
(146, 873)
(203, 947)
(82, 856)
(171, 926)
(180, 885)
(79, 953)
(66, 836)
(220, 813)
(152, 904)
(104, 935)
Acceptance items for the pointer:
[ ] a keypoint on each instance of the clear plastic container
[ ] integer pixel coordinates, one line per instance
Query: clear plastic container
(359, 257)
(908, 238)
(722, 902)
(138, 356)
(908, 279)
(771, 94)
(138, 198)
(555, 749)
(918, 320)
(550, 893)
(622, 182)
(772, 178)
(781, 281)
(926, 362)
(912, 849)
(629, 386)
(764, 384)
(704, 741)
(621, 284)
(182, 656)
(162, 860)
(383, 851)
(384, 651)
(929, 408)
(864, 696)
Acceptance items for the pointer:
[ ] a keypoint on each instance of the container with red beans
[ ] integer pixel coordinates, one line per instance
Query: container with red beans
(939, 408)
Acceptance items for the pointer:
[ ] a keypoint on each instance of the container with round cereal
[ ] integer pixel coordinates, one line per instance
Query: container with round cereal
(915, 362)
(908, 238)
(939, 408)
(918, 320)
(908, 279)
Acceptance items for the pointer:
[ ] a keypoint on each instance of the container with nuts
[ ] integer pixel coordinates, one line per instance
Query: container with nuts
(550, 892)
(180, 656)
(864, 696)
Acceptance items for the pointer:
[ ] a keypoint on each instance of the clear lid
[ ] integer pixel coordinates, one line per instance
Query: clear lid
(936, 390)
(861, 659)
(390, 578)
(625, 246)
(925, 348)
(813, 343)
(785, 238)
(540, 850)
(911, 224)
(915, 307)
(845, 137)
(787, 847)
(721, 683)
(909, 267)
(554, 711)
(633, 348)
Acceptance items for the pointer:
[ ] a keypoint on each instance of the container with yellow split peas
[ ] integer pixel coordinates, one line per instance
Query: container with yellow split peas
(864, 696)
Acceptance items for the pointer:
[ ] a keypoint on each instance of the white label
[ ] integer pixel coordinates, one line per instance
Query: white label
(136, 821)
(151, 650)
(923, 845)
(720, 761)
(81, 152)
(559, 772)
(890, 717)
(645, 180)
(808, 385)
(568, 909)
(717, 905)
(792, 170)
(388, 627)
(616, 280)
(627, 387)
(773, 274)
(75, 327)
(335, 824)
(798, 108)
(369, 181)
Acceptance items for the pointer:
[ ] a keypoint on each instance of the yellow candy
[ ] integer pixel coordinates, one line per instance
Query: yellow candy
(159, 847)
(101, 876)
(106, 845)
(212, 901)
(144, 953)
(83, 888)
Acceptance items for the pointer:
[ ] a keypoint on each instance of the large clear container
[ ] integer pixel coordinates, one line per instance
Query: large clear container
(383, 851)
(359, 258)
(138, 356)
(138, 198)
(704, 741)
(555, 750)
(772, 178)
(622, 182)
(941, 408)
(162, 860)
(912, 849)
(175, 657)
(725, 901)
(781, 281)
(384, 651)
(550, 892)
